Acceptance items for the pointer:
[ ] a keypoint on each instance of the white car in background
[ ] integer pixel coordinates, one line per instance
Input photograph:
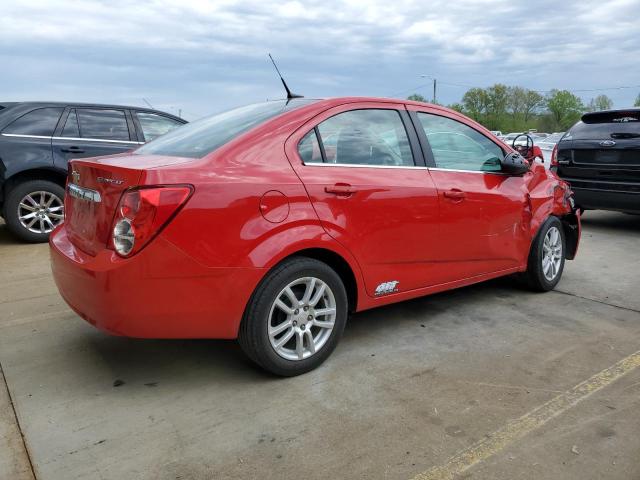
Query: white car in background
(547, 144)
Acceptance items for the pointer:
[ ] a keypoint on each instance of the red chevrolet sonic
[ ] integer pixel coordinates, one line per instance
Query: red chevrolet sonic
(270, 222)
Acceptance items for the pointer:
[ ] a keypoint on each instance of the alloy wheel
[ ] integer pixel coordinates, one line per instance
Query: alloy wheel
(41, 211)
(551, 253)
(302, 318)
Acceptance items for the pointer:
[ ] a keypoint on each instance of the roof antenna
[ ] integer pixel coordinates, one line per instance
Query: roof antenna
(289, 94)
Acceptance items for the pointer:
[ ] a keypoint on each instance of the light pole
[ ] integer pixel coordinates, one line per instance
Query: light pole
(435, 83)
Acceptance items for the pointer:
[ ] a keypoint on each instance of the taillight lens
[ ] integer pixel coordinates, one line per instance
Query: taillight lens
(554, 157)
(142, 213)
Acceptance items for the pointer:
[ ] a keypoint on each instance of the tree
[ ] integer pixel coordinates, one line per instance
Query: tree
(416, 97)
(458, 107)
(601, 102)
(532, 103)
(637, 103)
(475, 103)
(497, 101)
(565, 108)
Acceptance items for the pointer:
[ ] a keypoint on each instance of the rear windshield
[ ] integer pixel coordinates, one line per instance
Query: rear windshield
(203, 136)
(607, 124)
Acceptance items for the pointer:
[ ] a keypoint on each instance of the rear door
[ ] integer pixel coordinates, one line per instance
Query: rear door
(482, 210)
(93, 132)
(368, 184)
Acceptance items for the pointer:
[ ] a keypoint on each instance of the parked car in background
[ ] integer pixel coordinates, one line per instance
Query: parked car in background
(37, 139)
(510, 137)
(547, 144)
(497, 133)
(270, 222)
(600, 157)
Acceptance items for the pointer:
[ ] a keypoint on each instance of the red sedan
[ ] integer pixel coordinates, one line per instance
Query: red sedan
(269, 223)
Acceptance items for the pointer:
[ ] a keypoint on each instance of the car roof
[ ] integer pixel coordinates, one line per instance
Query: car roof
(83, 104)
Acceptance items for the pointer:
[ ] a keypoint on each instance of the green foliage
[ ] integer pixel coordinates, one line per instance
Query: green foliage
(458, 107)
(601, 102)
(565, 108)
(416, 97)
(637, 102)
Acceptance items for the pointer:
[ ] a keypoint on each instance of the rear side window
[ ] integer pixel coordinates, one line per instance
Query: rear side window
(366, 137)
(202, 137)
(103, 124)
(154, 125)
(40, 122)
(71, 126)
(456, 146)
(309, 148)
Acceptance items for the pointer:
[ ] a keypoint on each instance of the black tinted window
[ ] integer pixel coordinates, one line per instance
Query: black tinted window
(366, 137)
(154, 125)
(103, 124)
(41, 121)
(605, 130)
(71, 126)
(199, 138)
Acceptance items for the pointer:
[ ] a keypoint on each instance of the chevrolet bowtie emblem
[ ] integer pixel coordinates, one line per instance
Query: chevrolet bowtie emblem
(76, 176)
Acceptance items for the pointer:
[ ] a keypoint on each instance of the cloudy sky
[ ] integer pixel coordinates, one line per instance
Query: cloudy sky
(206, 56)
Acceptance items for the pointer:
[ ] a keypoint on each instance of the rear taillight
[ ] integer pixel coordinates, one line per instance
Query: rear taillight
(142, 213)
(554, 156)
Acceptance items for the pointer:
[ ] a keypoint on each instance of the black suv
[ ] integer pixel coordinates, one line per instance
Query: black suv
(600, 157)
(37, 139)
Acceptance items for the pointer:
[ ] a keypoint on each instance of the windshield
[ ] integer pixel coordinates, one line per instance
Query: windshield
(203, 136)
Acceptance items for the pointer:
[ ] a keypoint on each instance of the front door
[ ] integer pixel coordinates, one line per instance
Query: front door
(483, 212)
(372, 192)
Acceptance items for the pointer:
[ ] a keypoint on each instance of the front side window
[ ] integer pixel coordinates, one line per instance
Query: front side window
(154, 125)
(456, 146)
(103, 124)
(39, 122)
(366, 137)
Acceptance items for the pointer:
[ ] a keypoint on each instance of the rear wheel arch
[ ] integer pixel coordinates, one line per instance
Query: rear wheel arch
(336, 261)
(56, 176)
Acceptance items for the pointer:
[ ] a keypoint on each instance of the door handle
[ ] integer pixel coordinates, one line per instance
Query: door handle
(343, 189)
(455, 194)
(72, 150)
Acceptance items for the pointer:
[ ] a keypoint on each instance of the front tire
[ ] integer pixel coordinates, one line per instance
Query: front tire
(547, 257)
(33, 209)
(295, 317)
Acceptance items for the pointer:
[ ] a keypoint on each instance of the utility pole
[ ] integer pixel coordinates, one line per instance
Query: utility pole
(434, 90)
(435, 83)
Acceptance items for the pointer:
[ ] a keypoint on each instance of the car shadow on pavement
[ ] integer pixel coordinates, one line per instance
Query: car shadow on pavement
(195, 363)
(611, 220)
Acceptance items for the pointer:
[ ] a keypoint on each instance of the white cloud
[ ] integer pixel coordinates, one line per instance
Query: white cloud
(208, 54)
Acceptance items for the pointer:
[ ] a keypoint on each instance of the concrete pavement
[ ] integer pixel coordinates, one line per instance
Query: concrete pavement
(409, 387)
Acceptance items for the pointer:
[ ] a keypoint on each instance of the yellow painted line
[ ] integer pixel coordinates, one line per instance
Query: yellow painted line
(530, 421)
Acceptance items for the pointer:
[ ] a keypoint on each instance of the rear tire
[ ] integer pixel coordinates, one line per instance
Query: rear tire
(295, 317)
(546, 257)
(32, 209)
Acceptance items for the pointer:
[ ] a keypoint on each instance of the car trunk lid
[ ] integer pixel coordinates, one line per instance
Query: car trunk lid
(94, 188)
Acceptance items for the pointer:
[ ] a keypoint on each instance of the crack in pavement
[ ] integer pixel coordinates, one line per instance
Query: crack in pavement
(602, 302)
(15, 416)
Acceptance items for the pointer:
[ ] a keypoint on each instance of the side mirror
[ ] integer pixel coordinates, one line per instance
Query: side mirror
(514, 164)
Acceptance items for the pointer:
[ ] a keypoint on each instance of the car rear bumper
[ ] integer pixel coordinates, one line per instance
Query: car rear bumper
(159, 293)
(606, 200)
